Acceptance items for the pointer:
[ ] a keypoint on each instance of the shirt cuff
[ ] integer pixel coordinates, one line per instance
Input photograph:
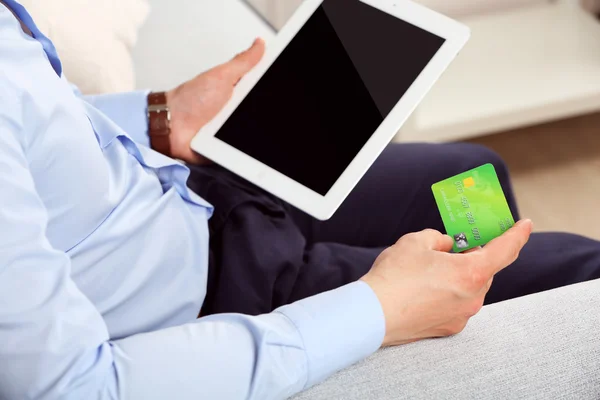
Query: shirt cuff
(128, 110)
(338, 328)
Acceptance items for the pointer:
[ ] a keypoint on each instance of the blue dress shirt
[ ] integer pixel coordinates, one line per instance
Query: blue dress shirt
(103, 260)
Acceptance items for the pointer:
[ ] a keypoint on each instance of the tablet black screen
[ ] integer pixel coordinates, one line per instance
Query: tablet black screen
(328, 91)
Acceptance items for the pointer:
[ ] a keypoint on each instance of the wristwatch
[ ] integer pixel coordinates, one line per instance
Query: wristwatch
(159, 123)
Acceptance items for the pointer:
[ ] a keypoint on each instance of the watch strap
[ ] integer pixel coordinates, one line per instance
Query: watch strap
(159, 123)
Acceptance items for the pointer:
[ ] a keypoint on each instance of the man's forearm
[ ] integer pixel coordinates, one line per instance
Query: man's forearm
(272, 356)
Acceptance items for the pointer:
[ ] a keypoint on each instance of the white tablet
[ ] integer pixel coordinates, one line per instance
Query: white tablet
(332, 90)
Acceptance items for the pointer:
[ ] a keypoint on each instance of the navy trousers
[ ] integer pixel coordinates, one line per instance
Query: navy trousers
(265, 253)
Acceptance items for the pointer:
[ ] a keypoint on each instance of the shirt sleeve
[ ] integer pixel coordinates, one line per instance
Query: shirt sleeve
(56, 345)
(128, 110)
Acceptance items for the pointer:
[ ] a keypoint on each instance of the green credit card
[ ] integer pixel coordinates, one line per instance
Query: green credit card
(473, 207)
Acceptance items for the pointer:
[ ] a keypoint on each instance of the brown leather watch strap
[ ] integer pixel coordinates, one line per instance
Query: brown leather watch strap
(159, 123)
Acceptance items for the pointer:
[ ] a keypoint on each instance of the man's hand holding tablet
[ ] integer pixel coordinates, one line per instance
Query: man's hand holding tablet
(194, 103)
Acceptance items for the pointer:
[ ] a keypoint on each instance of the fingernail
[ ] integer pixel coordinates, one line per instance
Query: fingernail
(526, 223)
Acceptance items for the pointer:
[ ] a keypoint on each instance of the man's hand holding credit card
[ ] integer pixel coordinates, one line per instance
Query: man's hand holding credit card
(473, 207)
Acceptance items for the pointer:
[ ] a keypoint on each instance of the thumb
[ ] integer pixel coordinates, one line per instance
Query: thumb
(434, 240)
(444, 244)
(243, 63)
(503, 251)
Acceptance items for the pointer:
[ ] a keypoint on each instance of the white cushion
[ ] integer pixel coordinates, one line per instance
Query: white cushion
(94, 39)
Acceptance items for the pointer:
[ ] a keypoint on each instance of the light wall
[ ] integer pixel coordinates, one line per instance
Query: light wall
(183, 38)
(277, 12)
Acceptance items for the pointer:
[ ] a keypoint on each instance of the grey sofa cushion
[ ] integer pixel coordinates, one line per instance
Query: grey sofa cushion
(545, 346)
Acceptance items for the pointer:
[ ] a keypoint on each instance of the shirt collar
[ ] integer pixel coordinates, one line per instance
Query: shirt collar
(46, 43)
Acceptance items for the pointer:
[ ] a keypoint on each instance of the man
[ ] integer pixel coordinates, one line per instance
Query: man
(104, 251)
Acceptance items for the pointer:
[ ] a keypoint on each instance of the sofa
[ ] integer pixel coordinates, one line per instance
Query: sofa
(544, 346)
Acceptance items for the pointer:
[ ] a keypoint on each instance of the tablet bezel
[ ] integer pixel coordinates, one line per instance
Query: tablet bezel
(291, 191)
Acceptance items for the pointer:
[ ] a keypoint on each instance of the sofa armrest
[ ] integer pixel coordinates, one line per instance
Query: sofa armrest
(544, 346)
